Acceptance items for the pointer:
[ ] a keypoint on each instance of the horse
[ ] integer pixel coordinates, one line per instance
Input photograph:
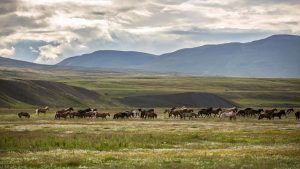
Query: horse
(216, 112)
(190, 115)
(174, 113)
(102, 115)
(89, 114)
(61, 115)
(230, 113)
(121, 115)
(65, 110)
(151, 115)
(143, 112)
(205, 112)
(279, 114)
(82, 113)
(270, 111)
(25, 114)
(42, 110)
(265, 115)
(297, 115)
(250, 112)
(129, 114)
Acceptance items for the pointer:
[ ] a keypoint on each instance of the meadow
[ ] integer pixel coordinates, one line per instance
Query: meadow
(42, 142)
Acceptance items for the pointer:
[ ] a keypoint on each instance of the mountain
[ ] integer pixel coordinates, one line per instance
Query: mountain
(109, 59)
(275, 56)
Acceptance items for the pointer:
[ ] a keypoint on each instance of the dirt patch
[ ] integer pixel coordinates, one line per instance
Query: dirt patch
(190, 99)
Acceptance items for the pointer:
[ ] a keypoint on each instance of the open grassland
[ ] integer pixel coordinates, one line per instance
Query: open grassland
(246, 92)
(243, 91)
(42, 142)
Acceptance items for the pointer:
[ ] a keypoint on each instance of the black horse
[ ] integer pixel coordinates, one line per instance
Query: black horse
(121, 115)
(297, 114)
(279, 114)
(25, 114)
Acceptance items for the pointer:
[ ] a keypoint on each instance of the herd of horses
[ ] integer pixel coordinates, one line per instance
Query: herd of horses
(175, 112)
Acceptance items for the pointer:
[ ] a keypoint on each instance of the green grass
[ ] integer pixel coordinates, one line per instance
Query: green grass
(42, 142)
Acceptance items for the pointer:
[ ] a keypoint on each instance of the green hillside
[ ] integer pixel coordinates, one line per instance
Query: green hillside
(254, 92)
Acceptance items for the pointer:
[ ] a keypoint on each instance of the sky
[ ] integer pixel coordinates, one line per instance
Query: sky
(48, 31)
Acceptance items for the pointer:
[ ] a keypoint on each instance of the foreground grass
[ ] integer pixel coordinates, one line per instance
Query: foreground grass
(42, 142)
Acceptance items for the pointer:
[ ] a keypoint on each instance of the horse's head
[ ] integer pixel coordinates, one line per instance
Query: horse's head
(70, 109)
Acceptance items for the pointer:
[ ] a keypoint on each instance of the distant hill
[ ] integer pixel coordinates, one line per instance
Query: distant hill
(275, 56)
(14, 93)
(7, 62)
(109, 59)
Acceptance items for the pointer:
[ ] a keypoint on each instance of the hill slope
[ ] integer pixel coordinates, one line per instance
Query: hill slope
(37, 92)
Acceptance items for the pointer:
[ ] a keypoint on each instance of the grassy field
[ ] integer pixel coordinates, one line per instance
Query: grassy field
(243, 91)
(42, 142)
(246, 92)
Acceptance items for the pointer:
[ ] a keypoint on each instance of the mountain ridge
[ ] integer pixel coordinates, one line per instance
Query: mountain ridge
(274, 56)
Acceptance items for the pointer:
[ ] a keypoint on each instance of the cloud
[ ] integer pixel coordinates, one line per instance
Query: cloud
(8, 6)
(7, 52)
(73, 27)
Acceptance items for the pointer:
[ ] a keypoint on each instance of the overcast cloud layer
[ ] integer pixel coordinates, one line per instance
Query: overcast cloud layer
(47, 31)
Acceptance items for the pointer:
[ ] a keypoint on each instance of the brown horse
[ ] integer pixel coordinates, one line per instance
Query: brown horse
(150, 115)
(230, 113)
(65, 110)
(190, 115)
(270, 111)
(102, 115)
(42, 110)
(62, 115)
(25, 114)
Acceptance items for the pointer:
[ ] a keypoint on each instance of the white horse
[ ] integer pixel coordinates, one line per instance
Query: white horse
(230, 113)
(42, 110)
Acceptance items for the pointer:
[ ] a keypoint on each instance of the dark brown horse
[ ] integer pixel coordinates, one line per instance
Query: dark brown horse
(265, 115)
(150, 115)
(102, 115)
(144, 112)
(25, 114)
(279, 114)
(297, 115)
(61, 115)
